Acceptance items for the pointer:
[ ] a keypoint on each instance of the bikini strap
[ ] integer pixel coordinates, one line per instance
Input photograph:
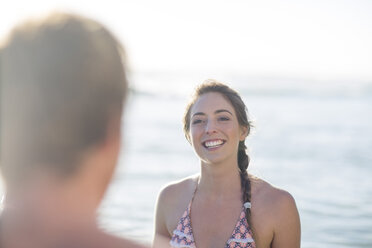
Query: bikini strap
(193, 194)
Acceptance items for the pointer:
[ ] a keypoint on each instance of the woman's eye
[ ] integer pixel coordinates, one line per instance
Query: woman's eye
(223, 118)
(196, 121)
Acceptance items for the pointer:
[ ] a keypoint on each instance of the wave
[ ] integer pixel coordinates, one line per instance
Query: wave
(182, 85)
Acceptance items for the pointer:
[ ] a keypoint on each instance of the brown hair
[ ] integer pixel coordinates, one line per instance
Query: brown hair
(62, 79)
(241, 111)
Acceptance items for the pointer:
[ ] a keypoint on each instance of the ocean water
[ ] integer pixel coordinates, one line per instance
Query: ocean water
(313, 139)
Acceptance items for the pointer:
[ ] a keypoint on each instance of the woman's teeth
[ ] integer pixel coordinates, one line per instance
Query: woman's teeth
(215, 143)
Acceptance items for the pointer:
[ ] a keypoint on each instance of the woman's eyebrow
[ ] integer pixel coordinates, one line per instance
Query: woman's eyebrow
(197, 113)
(222, 110)
(216, 112)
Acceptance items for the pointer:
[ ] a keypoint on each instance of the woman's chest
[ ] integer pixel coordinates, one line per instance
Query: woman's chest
(214, 226)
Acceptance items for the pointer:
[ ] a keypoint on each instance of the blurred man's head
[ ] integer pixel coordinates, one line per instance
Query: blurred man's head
(63, 82)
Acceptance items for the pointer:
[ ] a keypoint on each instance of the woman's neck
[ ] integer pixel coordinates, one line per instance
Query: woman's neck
(220, 180)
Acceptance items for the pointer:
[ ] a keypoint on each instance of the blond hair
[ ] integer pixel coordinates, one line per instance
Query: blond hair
(62, 77)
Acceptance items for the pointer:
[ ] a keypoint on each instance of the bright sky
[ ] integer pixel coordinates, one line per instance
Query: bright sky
(322, 39)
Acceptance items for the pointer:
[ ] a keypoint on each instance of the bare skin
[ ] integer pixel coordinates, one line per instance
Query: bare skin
(217, 201)
(47, 218)
(274, 214)
(49, 210)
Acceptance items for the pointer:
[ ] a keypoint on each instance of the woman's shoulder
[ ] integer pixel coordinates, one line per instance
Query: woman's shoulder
(174, 192)
(270, 196)
(172, 201)
(276, 217)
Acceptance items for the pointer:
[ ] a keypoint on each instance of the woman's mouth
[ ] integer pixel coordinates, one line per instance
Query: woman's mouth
(210, 144)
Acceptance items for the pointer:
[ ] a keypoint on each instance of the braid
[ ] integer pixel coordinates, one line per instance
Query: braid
(242, 115)
(243, 162)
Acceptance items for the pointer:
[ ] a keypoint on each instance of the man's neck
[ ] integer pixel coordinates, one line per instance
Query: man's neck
(50, 199)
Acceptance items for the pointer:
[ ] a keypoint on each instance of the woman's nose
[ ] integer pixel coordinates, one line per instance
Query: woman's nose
(210, 127)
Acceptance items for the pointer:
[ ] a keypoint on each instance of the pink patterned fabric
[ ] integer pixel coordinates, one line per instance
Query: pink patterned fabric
(240, 238)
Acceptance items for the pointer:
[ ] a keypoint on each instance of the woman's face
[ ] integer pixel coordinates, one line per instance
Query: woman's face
(214, 129)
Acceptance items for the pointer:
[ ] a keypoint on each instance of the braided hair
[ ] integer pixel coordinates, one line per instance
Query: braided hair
(241, 111)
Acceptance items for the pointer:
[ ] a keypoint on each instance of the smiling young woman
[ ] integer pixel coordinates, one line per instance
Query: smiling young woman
(223, 206)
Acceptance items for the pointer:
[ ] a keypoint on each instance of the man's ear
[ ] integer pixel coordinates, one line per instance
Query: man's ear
(113, 132)
(106, 154)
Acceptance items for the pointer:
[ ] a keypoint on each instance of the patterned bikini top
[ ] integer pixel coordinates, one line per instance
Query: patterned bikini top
(240, 238)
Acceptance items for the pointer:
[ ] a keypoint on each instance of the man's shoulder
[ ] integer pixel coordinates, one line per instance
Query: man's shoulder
(97, 239)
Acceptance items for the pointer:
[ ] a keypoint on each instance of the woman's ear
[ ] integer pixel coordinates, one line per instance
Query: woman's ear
(188, 138)
(244, 131)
